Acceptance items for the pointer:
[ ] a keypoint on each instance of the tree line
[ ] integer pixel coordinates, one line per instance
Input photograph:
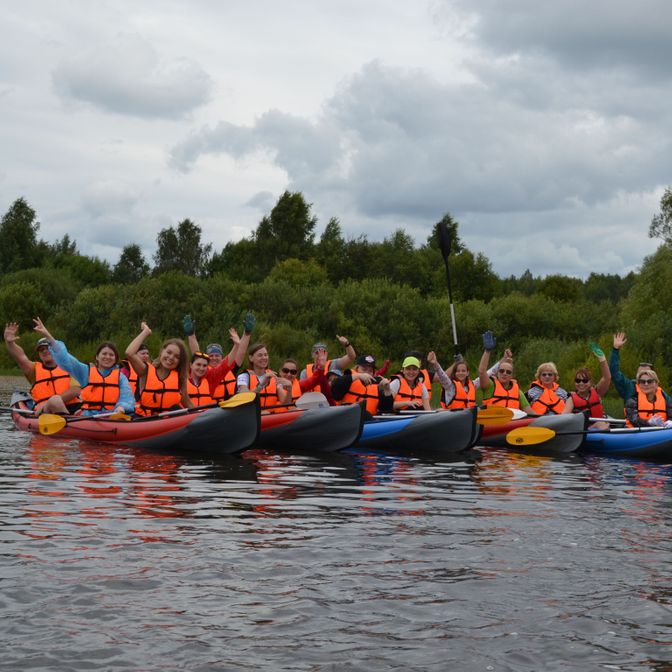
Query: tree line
(388, 297)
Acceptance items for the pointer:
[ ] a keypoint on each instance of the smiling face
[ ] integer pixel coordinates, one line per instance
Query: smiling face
(45, 356)
(259, 359)
(199, 367)
(106, 358)
(289, 370)
(547, 377)
(170, 357)
(461, 372)
(411, 373)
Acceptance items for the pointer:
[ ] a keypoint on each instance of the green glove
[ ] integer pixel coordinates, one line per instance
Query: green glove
(597, 351)
(188, 325)
(249, 322)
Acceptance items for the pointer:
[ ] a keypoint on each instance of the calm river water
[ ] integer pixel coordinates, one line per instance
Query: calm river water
(119, 559)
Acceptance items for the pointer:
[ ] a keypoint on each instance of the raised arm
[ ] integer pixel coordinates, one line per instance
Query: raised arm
(139, 366)
(346, 360)
(483, 378)
(189, 330)
(16, 351)
(604, 382)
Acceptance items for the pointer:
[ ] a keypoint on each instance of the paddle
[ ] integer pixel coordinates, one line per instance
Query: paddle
(445, 243)
(493, 415)
(236, 400)
(529, 436)
(48, 423)
(305, 402)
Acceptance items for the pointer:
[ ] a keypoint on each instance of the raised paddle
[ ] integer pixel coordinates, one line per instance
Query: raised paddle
(48, 423)
(445, 243)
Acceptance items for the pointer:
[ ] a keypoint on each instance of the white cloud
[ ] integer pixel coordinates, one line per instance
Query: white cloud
(127, 76)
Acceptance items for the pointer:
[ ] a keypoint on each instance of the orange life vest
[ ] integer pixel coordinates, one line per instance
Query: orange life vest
(269, 395)
(503, 397)
(463, 398)
(406, 392)
(102, 392)
(159, 395)
(48, 382)
(199, 394)
(226, 388)
(132, 377)
(427, 380)
(360, 392)
(549, 402)
(647, 409)
(309, 373)
(591, 407)
(296, 389)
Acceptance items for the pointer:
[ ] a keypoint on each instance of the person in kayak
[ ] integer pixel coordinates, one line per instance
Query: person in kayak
(129, 371)
(163, 382)
(320, 355)
(408, 389)
(586, 397)
(458, 390)
(361, 384)
(545, 394)
(502, 389)
(104, 388)
(289, 379)
(46, 378)
(626, 387)
(221, 374)
(648, 407)
(263, 381)
(426, 377)
(198, 387)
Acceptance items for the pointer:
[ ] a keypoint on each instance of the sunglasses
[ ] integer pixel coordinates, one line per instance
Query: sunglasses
(581, 380)
(506, 372)
(546, 374)
(292, 372)
(646, 381)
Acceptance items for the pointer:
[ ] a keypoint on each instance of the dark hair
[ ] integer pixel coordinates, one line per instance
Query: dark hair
(289, 359)
(255, 348)
(111, 346)
(584, 373)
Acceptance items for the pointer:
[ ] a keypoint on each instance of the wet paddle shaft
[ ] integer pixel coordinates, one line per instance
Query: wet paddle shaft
(445, 243)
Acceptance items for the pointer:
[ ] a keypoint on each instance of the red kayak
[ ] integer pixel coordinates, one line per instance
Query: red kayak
(213, 430)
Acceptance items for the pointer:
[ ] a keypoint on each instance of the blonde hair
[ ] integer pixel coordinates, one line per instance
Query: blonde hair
(648, 372)
(546, 365)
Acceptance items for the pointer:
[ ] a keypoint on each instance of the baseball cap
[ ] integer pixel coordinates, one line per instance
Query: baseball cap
(366, 360)
(410, 361)
(41, 343)
(214, 347)
(318, 346)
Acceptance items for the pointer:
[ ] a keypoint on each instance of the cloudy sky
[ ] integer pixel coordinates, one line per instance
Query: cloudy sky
(542, 128)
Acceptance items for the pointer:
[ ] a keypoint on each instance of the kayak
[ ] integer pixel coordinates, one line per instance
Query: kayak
(630, 441)
(316, 429)
(221, 431)
(446, 432)
(561, 444)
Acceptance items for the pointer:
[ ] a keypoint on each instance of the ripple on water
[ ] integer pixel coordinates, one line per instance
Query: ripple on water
(115, 558)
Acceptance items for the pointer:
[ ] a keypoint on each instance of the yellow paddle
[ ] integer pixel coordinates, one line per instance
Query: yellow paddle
(529, 436)
(49, 423)
(494, 415)
(237, 400)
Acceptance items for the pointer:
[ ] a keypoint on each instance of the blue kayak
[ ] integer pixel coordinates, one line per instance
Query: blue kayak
(633, 442)
(435, 431)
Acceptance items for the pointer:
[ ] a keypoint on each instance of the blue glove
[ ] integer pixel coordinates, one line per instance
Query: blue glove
(249, 322)
(188, 325)
(489, 341)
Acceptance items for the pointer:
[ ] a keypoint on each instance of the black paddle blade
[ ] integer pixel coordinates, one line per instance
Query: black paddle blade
(445, 241)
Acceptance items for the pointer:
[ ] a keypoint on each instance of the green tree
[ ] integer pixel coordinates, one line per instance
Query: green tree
(181, 250)
(661, 224)
(19, 247)
(131, 266)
